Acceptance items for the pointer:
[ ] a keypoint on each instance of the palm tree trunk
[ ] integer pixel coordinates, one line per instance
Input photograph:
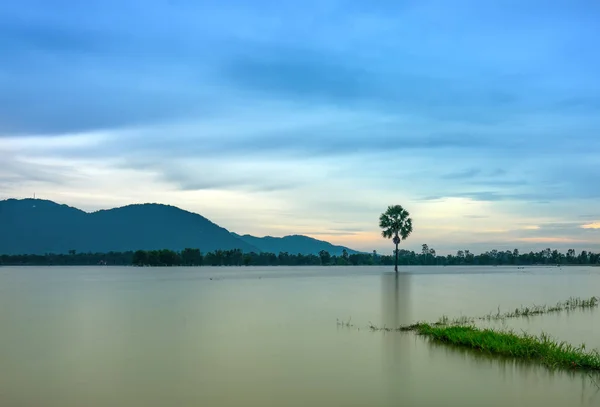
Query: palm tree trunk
(396, 266)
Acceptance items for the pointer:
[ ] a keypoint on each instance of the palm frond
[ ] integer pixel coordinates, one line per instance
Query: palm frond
(395, 221)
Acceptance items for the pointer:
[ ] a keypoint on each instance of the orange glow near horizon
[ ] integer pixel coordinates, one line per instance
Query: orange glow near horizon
(594, 225)
(550, 240)
(348, 239)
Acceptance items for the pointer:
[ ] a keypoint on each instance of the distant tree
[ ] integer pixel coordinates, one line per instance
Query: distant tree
(515, 256)
(140, 258)
(325, 257)
(432, 255)
(555, 256)
(583, 257)
(153, 259)
(168, 257)
(375, 258)
(191, 257)
(469, 257)
(237, 257)
(283, 258)
(396, 224)
(460, 255)
(546, 254)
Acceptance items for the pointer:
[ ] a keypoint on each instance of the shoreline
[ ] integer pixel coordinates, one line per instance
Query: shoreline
(503, 266)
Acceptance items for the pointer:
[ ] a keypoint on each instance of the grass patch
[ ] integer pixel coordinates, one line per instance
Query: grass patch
(572, 304)
(542, 349)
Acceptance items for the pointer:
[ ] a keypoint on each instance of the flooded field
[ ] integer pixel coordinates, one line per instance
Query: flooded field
(100, 336)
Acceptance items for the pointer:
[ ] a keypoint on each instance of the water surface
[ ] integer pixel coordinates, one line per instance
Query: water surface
(112, 336)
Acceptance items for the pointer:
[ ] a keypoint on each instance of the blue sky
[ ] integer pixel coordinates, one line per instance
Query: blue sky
(274, 118)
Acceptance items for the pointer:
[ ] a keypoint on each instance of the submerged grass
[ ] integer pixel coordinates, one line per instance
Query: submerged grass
(572, 304)
(543, 349)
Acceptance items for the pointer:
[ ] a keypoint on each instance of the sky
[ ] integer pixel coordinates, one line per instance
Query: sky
(310, 117)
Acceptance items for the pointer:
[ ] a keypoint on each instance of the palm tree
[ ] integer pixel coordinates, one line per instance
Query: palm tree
(396, 223)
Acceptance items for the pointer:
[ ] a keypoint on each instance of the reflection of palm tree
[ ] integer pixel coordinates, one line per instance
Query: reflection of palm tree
(396, 299)
(396, 311)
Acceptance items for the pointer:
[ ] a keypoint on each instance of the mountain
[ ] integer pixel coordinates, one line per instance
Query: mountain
(36, 226)
(293, 244)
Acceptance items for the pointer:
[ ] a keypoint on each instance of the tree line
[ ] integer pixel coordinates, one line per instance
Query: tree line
(194, 257)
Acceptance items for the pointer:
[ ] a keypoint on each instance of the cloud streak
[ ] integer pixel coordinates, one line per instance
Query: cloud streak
(595, 225)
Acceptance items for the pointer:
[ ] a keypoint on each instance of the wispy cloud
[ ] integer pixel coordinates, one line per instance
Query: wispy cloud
(551, 240)
(466, 174)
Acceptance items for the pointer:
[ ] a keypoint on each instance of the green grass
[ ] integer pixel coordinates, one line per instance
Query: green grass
(572, 304)
(541, 348)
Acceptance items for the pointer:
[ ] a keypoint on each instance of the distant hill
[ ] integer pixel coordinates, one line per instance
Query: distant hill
(36, 226)
(293, 244)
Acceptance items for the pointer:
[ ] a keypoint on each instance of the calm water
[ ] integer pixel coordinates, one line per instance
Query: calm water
(101, 336)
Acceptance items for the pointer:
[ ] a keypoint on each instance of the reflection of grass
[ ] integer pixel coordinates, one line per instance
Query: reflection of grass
(346, 324)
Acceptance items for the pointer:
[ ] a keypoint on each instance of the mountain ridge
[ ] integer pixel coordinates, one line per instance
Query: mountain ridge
(37, 226)
(286, 243)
